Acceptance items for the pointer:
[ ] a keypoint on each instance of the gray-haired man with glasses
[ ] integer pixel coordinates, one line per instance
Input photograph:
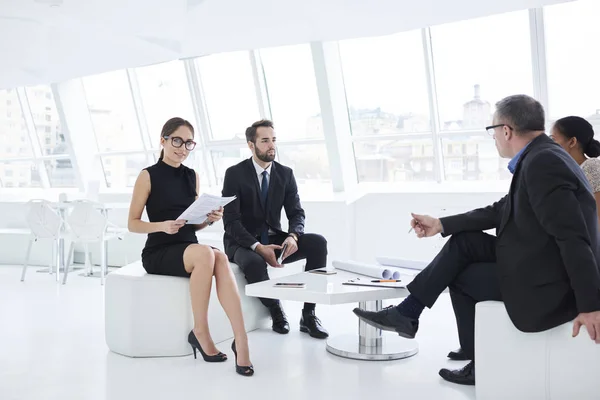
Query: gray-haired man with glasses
(543, 261)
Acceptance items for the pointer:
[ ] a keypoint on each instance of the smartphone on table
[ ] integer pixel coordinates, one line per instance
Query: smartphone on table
(290, 285)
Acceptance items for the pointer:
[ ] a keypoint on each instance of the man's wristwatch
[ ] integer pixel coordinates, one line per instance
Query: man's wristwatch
(293, 235)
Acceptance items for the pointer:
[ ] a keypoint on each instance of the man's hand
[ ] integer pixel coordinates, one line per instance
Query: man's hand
(425, 226)
(291, 248)
(592, 324)
(268, 253)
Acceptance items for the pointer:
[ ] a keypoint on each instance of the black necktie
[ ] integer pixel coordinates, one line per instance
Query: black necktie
(264, 189)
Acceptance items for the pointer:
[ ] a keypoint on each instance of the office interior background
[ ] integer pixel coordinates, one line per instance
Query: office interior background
(379, 107)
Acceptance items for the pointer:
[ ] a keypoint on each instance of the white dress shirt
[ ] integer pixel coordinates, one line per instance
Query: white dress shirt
(259, 172)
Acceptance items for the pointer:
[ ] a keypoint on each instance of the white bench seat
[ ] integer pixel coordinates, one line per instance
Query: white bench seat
(150, 315)
(532, 366)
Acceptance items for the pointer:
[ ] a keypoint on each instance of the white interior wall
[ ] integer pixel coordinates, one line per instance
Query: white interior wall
(373, 224)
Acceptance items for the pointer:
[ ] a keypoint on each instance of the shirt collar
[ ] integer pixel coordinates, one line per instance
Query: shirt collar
(259, 169)
(512, 164)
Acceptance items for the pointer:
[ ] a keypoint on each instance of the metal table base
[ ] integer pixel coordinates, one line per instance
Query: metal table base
(370, 344)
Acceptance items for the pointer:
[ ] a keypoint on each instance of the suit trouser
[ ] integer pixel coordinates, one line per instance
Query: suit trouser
(466, 266)
(311, 247)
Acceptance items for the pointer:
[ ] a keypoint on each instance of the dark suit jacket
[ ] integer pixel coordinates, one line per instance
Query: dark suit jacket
(244, 217)
(547, 247)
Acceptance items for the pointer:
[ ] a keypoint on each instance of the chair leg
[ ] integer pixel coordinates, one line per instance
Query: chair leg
(60, 257)
(89, 268)
(27, 258)
(69, 262)
(53, 260)
(103, 261)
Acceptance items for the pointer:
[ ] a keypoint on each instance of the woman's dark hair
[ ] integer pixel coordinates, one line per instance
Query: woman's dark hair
(582, 130)
(171, 126)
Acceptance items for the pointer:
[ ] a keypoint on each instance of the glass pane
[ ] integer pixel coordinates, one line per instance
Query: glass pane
(14, 140)
(292, 89)
(195, 161)
(226, 157)
(399, 160)
(20, 174)
(165, 94)
(112, 112)
(46, 121)
(229, 94)
(61, 173)
(122, 171)
(572, 30)
(477, 63)
(473, 157)
(309, 162)
(386, 86)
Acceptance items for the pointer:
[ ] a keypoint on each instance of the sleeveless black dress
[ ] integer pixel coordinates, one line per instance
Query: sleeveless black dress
(172, 191)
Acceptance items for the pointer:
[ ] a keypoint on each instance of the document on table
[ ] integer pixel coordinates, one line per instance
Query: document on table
(198, 212)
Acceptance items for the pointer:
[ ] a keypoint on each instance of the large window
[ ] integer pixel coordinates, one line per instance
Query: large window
(472, 73)
(396, 160)
(229, 93)
(225, 157)
(14, 139)
(165, 94)
(478, 62)
(572, 30)
(122, 171)
(50, 136)
(309, 162)
(292, 91)
(386, 85)
(20, 174)
(112, 112)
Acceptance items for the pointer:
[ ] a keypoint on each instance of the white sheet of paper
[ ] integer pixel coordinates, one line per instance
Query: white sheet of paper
(198, 211)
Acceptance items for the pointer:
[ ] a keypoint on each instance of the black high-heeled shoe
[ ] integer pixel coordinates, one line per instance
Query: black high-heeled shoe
(246, 371)
(193, 341)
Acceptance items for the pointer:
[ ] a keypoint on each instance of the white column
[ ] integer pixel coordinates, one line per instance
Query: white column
(201, 115)
(334, 114)
(79, 132)
(433, 111)
(538, 57)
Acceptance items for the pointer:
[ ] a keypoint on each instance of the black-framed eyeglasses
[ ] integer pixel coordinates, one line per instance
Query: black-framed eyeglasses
(177, 142)
(490, 129)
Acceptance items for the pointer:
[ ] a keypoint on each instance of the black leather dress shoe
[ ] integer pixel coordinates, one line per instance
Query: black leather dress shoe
(463, 376)
(390, 319)
(309, 323)
(457, 355)
(280, 323)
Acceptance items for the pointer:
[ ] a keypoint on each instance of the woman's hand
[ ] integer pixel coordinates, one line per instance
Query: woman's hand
(215, 215)
(172, 227)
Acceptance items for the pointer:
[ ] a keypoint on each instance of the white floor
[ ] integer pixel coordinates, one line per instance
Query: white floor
(52, 347)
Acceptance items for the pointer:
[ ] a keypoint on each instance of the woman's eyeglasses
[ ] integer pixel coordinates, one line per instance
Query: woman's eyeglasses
(177, 142)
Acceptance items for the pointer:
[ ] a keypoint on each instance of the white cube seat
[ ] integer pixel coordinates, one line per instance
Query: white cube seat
(546, 365)
(150, 315)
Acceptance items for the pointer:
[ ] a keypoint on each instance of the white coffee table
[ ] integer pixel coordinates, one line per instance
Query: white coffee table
(369, 344)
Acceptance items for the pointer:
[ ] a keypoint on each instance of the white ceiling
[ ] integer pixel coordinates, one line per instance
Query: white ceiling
(44, 41)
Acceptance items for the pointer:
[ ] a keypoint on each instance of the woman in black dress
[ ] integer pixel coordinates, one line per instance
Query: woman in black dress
(166, 189)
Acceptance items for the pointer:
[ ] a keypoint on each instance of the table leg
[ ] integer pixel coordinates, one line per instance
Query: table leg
(370, 344)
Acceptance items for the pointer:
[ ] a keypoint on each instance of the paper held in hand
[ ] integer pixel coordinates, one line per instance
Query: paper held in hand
(198, 211)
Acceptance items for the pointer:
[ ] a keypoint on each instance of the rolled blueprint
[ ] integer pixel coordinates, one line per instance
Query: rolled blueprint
(402, 263)
(372, 270)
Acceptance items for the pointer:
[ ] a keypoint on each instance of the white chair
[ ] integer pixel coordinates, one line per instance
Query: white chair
(150, 315)
(44, 223)
(88, 224)
(532, 366)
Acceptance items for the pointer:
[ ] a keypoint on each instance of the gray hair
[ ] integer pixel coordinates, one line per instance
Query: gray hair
(523, 113)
